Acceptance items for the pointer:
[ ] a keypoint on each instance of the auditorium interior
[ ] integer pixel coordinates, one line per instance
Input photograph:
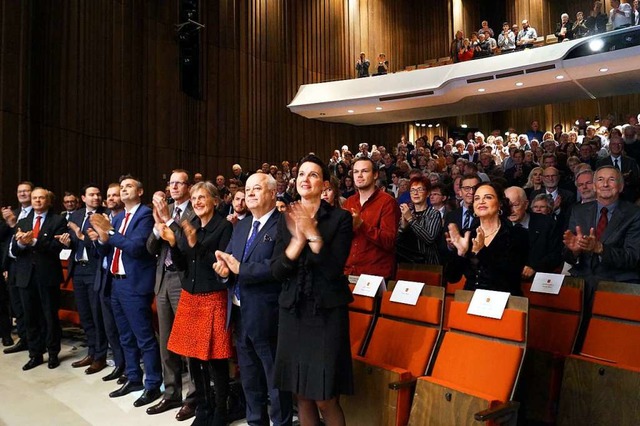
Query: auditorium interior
(92, 90)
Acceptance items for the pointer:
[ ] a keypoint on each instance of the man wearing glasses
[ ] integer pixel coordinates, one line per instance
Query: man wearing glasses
(167, 289)
(562, 199)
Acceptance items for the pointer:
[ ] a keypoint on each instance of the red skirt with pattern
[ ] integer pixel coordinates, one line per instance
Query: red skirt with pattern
(199, 329)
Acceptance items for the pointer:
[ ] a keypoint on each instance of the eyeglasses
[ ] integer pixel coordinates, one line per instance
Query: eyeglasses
(467, 188)
(417, 190)
(176, 183)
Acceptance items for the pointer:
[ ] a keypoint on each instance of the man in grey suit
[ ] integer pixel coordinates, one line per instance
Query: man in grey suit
(167, 288)
(603, 238)
(627, 165)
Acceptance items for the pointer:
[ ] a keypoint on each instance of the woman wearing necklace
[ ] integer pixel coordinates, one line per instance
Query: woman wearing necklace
(492, 256)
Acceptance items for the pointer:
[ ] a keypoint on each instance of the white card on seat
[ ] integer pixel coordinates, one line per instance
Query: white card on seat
(368, 285)
(65, 254)
(406, 292)
(547, 283)
(488, 303)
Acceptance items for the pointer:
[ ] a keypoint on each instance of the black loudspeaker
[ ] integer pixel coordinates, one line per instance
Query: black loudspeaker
(189, 47)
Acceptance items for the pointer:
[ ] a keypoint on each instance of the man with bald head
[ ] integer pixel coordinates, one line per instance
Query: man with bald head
(545, 238)
(253, 301)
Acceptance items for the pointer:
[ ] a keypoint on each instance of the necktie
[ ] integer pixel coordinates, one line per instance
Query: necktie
(467, 220)
(115, 265)
(23, 214)
(602, 223)
(85, 225)
(615, 164)
(168, 261)
(245, 255)
(36, 228)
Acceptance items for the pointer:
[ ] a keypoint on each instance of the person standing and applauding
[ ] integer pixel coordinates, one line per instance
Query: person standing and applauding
(313, 358)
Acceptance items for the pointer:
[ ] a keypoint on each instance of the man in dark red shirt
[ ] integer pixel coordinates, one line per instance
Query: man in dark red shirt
(375, 224)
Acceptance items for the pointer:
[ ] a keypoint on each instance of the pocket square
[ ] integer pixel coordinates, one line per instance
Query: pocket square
(267, 238)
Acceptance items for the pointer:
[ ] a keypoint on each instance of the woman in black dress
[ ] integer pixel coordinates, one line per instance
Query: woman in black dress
(492, 256)
(313, 359)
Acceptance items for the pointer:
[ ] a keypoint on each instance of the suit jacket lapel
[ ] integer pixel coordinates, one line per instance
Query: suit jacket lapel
(616, 219)
(271, 223)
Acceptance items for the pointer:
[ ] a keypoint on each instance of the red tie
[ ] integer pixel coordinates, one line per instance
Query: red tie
(36, 228)
(115, 265)
(602, 222)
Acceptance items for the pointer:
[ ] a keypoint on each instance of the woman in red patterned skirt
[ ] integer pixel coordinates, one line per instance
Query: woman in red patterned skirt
(199, 331)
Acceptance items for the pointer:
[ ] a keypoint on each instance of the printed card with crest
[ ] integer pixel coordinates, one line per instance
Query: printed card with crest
(369, 285)
(406, 292)
(547, 283)
(488, 303)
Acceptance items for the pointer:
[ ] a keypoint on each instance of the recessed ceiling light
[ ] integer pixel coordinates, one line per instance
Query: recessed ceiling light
(378, 108)
(430, 125)
(481, 89)
(464, 126)
(519, 84)
(417, 124)
(424, 125)
(604, 69)
(438, 125)
(350, 111)
(559, 77)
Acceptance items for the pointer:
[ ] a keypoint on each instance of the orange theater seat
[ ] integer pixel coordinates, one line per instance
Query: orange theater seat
(400, 349)
(428, 274)
(450, 292)
(68, 312)
(554, 320)
(476, 368)
(361, 320)
(600, 385)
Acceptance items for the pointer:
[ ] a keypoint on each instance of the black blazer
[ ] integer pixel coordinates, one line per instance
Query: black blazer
(497, 266)
(317, 276)
(42, 261)
(198, 260)
(545, 243)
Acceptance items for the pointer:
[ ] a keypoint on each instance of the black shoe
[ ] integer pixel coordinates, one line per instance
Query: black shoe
(122, 379)
(126, 389)
(7, 341)
(147, 397)
(164, 405)
(115, 374)
(33, 363)
(18, 347)
(54, 362)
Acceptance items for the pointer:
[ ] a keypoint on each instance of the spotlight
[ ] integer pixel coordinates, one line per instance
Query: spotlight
(596, 45)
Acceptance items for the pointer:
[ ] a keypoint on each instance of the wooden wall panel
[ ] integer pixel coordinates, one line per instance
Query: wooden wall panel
(90, 90)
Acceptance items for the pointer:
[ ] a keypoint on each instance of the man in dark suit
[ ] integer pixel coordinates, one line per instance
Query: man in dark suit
(627, 165)
(132, 269)
(253, 302)
(70, 202)
(563, 200)
(102, 288)
(168, 286)
(11, 218)
(36, 246)
(545, 238)
(603, 239)
(83, 266)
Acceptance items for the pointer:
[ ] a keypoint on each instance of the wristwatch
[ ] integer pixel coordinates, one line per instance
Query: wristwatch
(111, 232)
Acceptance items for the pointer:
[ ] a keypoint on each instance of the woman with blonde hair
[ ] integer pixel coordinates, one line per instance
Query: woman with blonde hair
(534, 182)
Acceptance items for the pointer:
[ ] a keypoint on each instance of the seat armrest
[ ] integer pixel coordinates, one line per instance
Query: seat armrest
(499, 414)
(402, 384)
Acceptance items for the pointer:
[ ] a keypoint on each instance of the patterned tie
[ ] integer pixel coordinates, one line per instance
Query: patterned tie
(85, 225)
(36, 228)
(245, 255)
(168, 261)
(602, 223)
(467, 220)
(615, 164)
(115, 265)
